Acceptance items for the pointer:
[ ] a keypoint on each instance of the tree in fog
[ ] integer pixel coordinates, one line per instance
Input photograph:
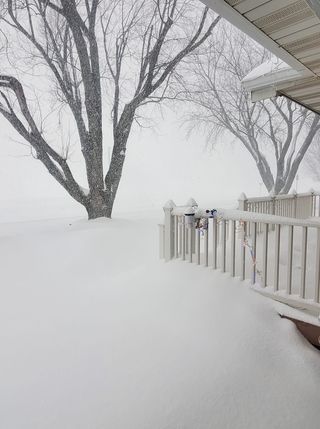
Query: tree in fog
(277, 132)
(119, 53)
(312, 159)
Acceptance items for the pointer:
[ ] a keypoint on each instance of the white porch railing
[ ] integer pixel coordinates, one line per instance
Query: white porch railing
(299, 206)
(283, 262)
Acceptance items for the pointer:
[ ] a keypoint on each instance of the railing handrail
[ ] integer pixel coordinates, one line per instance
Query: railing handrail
(229, 214)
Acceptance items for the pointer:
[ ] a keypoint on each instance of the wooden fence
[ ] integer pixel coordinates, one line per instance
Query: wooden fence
(282, 262)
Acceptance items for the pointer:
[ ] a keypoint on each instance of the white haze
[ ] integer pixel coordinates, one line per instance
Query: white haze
(161, 164)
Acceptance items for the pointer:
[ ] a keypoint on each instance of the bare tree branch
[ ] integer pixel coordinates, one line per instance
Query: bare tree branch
(140, 44)
(223, 104)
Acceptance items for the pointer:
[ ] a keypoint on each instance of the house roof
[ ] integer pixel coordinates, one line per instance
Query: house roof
(290, 29)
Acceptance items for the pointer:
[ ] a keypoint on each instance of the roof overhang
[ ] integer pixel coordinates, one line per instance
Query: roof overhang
(290, 29)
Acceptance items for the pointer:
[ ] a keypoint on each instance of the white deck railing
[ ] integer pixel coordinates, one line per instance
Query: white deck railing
(299, 206)
(282, 262)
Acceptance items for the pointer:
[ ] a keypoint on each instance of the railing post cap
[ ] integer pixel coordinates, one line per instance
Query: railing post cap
(191, 202)
(242, 197)
(312, 191)
(189, 211)
(169, 205)
(294, 192)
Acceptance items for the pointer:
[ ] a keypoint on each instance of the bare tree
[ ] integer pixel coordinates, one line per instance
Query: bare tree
(312, 159)
(277, 132)
(135, 45)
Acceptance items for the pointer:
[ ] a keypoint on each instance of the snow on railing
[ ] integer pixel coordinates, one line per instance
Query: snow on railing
(283, 262)
(299, 206)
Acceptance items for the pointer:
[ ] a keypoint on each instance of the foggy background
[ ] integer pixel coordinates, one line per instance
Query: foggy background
(162, 163)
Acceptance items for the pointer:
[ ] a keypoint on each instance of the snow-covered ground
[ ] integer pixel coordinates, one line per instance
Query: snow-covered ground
(96, 333)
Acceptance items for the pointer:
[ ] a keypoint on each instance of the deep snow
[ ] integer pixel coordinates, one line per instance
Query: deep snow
(96, 332)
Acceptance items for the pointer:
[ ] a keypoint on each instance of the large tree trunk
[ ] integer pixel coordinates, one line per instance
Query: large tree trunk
(121, 134)
(98, 207)
(114, 174)
(265, 174)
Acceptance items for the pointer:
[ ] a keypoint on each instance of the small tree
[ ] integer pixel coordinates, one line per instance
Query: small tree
(277, 132)
(138, 43)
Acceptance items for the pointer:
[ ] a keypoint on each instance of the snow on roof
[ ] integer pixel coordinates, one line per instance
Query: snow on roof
(274, 65)
(272, 72)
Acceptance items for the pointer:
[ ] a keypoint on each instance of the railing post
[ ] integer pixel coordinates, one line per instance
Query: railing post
(189, 221)
(190, 245)
(169, 230)
(290, 257)
(276, 257)
(190, 232)
(198, 233)
(243, 202)
(303, 261)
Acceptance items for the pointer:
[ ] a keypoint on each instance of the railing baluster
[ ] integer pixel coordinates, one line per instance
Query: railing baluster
(180, 236)
(198, 232)
(243, 252)
(303, 261)
(176, 237)
(313, 205)
(254, 252)
(265, 255)
(290, 256)
(190, 243)
(206, 247)
(317, 279)
(183, 239)
(186, 245)
(227, 229)
(214, 243)
(223, 246)
(276, 257)
(233, 247)
(193, 239)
